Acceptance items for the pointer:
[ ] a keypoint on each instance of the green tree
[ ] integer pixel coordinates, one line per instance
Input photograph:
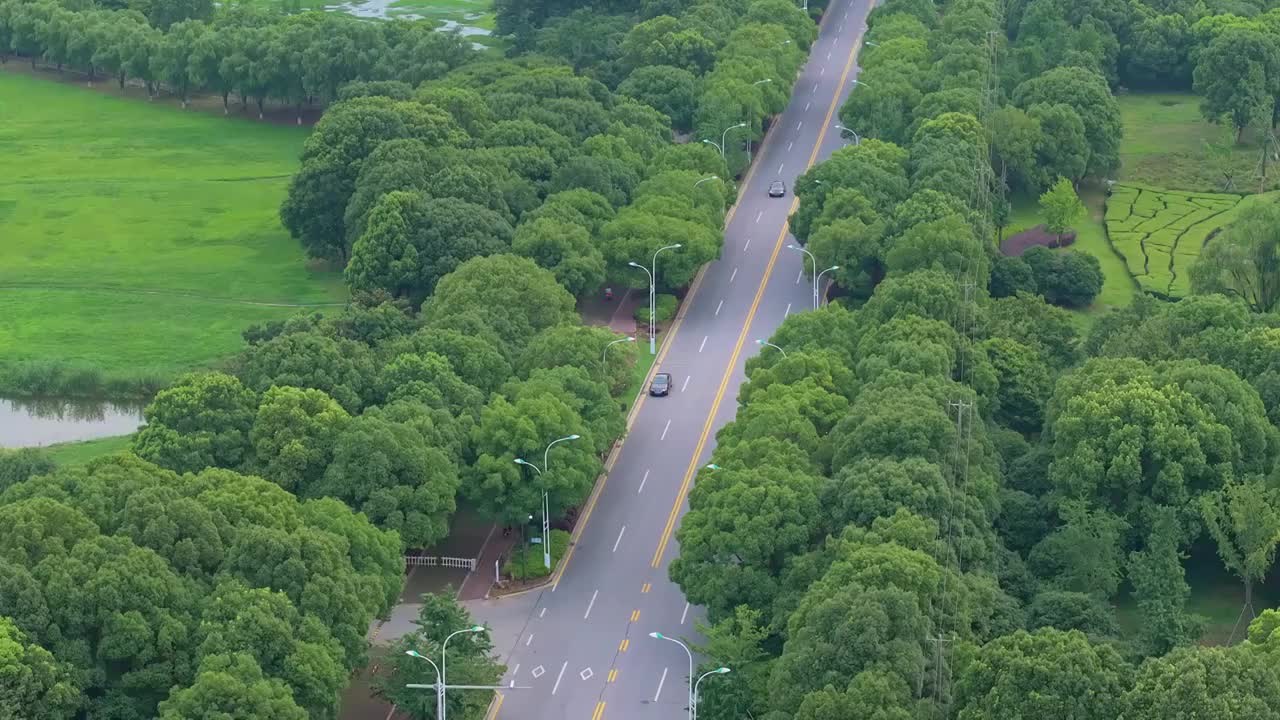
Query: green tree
(1160, 587)
(386, 470)
(634, 236)
(671, 90)
(522, 428)
(1084, 554)
(1244, 259)
(341, 368)
(1238, 77)
(410, 241)
(1086, 92)
(742, 527)
(470, 661)
(32, 682)
(202, 420)
(1025, 384)
(482, 288)
(1063, 149)
(332, 158)
(565, 249)
(1047, 673)
(1015, 135)
(293, 435)
(1244, 520)
(1061, 207)
(1069, 279)
(231, 687)
(1204, 682)
(736, 642)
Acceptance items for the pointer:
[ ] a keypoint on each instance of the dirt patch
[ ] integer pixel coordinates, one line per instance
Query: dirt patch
(1015, 245)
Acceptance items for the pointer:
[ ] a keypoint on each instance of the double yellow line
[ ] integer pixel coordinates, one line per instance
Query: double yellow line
(746, 326)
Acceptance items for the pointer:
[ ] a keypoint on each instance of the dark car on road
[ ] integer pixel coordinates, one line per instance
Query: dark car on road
(661, 384)
(777, 188)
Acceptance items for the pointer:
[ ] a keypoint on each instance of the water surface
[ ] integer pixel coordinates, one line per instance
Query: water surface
(45, 421)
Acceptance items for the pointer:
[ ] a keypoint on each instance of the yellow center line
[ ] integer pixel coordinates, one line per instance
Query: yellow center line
(497, 705)
(635, 616)
(746, 326)
(599, 713)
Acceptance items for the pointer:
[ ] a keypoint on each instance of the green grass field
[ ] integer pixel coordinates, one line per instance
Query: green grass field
(75, 453)
(1165, 145)
(139, 238)
(474, 18)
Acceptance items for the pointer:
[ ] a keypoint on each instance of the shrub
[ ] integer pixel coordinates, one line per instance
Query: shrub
(665, 309)
(1070, 278)
(526, 563)
(1011, 275)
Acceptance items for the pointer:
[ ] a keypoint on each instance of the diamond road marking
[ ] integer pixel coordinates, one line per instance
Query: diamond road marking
(586, 674)
(538, 671)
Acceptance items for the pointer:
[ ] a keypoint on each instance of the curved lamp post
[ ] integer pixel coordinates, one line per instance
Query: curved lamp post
(689, 698)
(815, 272)
(546, 509)
(717, 671)
(604, 355)
(653, 275)
(818, 281)
(766, 343)
(443, 668)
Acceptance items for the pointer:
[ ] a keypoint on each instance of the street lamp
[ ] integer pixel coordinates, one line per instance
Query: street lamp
(859, 82)
(717, 671)
(653, 276)
(605, 354)
(761, 82)
(713, 144)
(856, 139)
(439, 686)
(766, 343)
(660, 636)
(868, 43)
(815, 272)
(711, 466)
(546, 505)
(713, 177)
(724, 135)
(443, 668)
(824, 272)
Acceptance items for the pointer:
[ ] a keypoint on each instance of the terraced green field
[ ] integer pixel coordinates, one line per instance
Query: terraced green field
(1160, 233)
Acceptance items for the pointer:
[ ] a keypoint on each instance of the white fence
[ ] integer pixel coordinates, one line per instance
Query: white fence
(468, 564)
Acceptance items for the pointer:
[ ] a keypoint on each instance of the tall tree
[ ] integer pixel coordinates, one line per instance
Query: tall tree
(1061, 207)
(1244, 519)
(203, 420)
(1244, 259)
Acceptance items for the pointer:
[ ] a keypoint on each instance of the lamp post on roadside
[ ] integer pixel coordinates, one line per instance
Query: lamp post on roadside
(546, 505)
(717, 671)
(766, 343)
(604, 355)
(857, 140)
(824, 272)
(856, 81)
(441, 677)
(653, 287)
(725, 135)
(689, 697)
(712, 177)
(815, 272)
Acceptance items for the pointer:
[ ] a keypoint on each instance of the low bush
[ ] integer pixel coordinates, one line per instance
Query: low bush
(527, 563)
(665, 309)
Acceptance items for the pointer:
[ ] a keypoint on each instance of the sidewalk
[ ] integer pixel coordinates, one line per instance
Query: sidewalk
(618, 314)
(478, 582)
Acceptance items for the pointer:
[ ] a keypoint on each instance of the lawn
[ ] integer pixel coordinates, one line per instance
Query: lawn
(1117, 287)
(75, 453)
(473, 18)
(1167, 144)
(140, 239)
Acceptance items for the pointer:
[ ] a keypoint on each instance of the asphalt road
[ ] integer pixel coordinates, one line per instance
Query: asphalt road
(581, 646)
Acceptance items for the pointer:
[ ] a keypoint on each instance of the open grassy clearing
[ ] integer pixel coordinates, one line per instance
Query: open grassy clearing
(1117, 287)
(1166, 144)
(473, 18)
(75, 453)
(139, 238)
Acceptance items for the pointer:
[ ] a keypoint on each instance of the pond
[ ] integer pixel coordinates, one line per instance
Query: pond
(33, 422)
